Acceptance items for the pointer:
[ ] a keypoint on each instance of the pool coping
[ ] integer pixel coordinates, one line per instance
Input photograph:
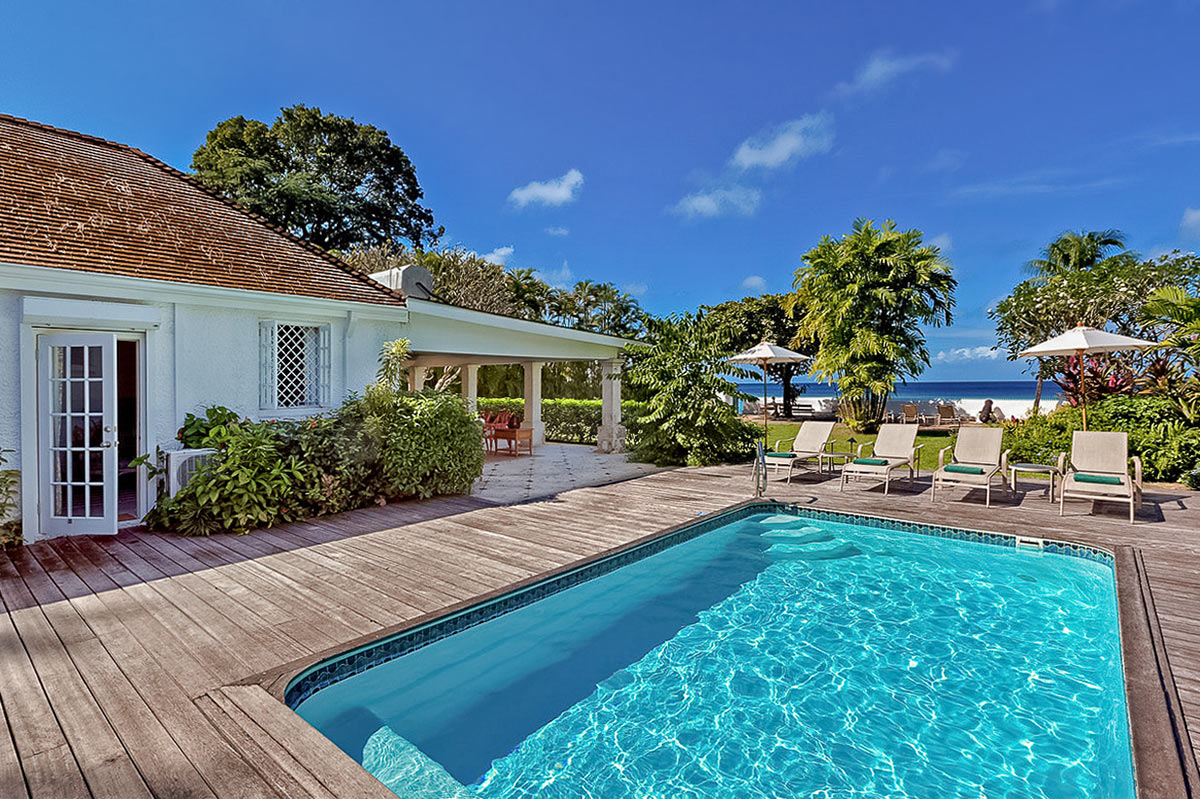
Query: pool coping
(1164, 765)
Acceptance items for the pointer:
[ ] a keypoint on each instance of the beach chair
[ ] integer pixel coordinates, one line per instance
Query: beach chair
(1098, 468)
(895, 448)
(976, 461)
(947, 416)
(808, 444)
(911, 414)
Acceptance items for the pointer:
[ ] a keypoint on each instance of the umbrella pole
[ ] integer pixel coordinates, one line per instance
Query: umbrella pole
(764, 368)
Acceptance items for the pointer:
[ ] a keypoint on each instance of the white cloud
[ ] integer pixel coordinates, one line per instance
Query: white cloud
(1190, 225)
(1031, 183)
(500, 255)
(557, 191)
(811, 134)
(945, 160)
(558, 231)
(754, 283)
(558, 278)
(635, 289)
(943, 242)
(957, 354)
(719, 202)
(883, 67)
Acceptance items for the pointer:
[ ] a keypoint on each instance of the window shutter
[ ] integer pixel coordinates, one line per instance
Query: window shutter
(324, 365)
(267, 370)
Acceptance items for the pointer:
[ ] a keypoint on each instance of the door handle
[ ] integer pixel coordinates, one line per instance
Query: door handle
(108, 444)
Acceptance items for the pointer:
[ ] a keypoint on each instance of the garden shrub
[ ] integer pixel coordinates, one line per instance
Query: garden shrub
(382, 447)
(572, 421)
(10, 481)
(195, 429)
(1159, 434)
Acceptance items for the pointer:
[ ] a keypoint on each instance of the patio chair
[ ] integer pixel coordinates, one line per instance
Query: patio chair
(947, 415)
(895, 448)
(911, 414)
(809, 443)
(1098, 468)
(977, 459)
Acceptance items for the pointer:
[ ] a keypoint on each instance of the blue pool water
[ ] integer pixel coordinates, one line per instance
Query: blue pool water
(772, 657)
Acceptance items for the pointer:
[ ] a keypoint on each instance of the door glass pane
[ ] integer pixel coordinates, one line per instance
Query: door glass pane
(78, 500)
(78, 426)
(77, 387)
(58, 425)
(95, 361)
(95, 396)
(96, 466)
(60, 500)
(60, 466)
(96, 501)
(97, 430)
(58, 396)
(77, 361)
(78, 475)
(58, 362)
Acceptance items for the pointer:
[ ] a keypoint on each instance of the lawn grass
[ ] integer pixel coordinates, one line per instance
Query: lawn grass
(927, 456)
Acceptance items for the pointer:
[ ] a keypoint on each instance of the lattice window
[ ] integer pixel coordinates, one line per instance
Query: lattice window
(294, 365)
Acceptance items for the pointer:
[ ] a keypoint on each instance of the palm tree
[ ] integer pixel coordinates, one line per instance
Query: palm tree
(863, 298)
(1076, 252)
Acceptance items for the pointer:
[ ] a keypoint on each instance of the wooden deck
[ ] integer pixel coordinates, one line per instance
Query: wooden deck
(121, 657)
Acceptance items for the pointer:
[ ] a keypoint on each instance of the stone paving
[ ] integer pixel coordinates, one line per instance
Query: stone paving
(552, 469)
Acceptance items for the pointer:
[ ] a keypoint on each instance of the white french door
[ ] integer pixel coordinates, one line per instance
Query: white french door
(77, 439)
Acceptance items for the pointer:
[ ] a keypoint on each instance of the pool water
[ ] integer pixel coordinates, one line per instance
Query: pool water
(775, 656)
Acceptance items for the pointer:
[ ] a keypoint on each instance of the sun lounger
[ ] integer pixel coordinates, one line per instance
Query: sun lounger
(977, 460)
(1099, 469)
(894, 448)
(808, 444)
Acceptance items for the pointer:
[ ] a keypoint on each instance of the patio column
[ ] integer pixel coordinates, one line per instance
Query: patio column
(469, 373)
(610, 435)
(416, 378)
(533, 401)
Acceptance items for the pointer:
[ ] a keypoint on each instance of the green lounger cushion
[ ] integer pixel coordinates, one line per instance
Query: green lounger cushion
(780, 455)
(1106, 479)
(962, 469)
(871, 461)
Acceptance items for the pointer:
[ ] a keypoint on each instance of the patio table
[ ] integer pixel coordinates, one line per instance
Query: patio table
(1035, 468)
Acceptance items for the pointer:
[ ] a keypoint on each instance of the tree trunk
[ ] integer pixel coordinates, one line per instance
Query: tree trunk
(789, 393)
(1037, 397)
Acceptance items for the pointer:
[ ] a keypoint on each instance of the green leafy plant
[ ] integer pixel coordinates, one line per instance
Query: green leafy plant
(384, 446)
(193, 433)
(572, 421)
(10, 480)
(684, 371)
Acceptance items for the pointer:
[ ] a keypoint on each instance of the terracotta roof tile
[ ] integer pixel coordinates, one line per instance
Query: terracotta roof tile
(73, 201)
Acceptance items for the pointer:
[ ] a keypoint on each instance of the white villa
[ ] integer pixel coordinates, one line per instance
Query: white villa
(130, 296)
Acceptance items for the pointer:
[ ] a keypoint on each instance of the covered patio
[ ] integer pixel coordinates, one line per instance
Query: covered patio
(448, 336)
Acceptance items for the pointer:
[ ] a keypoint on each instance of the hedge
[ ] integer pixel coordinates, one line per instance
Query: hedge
(374, 449)
(1167, 444)
(573, 421)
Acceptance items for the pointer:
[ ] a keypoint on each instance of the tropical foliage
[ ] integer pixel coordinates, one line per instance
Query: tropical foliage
(327, 179)
(10, 480)
(573, 421)
(765, 318)
(862, 300)
(682, 370)
(384, 446)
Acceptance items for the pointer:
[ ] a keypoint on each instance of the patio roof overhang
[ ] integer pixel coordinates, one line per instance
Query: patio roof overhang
(446, 335)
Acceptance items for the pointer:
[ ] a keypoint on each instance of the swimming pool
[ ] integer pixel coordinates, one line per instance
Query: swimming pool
(761, 654)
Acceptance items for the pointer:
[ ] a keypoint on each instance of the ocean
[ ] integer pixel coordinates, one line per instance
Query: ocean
(927, 390)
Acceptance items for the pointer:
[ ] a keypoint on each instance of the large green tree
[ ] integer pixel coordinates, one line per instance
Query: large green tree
(327, 179)
(863, 299)
(763, 318)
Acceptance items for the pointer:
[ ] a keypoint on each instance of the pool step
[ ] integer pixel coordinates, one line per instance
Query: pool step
(1030, 542)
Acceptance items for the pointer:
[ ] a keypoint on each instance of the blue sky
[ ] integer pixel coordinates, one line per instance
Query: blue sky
(688, 152)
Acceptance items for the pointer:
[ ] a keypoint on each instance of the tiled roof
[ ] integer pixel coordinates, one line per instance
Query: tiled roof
(73, 201)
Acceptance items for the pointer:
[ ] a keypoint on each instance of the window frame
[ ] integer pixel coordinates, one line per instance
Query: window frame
(268, 355)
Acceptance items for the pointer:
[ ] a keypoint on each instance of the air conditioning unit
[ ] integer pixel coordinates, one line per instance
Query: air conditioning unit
(181, 465)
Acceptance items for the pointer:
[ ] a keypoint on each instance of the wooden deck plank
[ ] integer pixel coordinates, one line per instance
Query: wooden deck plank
(152, 630)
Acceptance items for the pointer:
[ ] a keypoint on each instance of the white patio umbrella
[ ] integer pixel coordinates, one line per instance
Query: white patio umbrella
(1083, 340)
(763, 355)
